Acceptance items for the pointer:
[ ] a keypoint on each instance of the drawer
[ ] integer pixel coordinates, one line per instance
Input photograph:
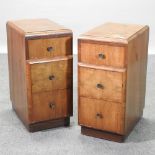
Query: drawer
(49, 48)
(102, 115)
(47, 76)
(100, 54)
(51, 105)
(102, 84)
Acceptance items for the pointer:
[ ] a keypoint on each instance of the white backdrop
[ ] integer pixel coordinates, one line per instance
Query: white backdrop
(80, 15)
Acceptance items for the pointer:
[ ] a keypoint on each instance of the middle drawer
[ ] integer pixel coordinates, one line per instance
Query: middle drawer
(47, 76)
(101, 84)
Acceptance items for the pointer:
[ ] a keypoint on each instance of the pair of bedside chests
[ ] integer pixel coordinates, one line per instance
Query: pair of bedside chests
(112, 63)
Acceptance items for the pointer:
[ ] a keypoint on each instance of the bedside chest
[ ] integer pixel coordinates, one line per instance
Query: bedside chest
(40, 72)
(112, 63)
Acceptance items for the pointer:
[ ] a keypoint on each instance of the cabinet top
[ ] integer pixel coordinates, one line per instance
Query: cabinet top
(38, 26)
(114, 32)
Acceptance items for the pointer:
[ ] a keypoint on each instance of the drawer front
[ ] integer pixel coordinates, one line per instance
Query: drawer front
(49, 48)
(102, 115)
(101, 84)
(49, 76)
(99, 54)
(51, 105)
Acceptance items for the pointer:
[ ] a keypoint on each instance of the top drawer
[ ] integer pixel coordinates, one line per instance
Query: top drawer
(49, 48)
(99, 54)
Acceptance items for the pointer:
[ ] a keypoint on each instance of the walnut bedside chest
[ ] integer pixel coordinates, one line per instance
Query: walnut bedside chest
(40, 72)
(112, 63)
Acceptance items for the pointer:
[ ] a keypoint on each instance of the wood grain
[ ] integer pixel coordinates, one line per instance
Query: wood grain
(106, 68)
(38, 49)
(60, 70)
(113, 84)
(17, 71)
(136, 78)
(113, 55)
(41, 105)
(122, 75)
(32, 86)
(112, 32)
(39, 26)
(112, 115)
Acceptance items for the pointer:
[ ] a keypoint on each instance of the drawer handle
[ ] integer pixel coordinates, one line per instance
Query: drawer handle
(51, 77)
(99, 115)
(100, 86)
(50, 49)
(101, 56)
(52, 105)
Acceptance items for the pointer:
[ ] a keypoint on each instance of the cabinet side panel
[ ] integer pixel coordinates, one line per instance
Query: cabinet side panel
(17, 70)
(9, 46)
(136, 78)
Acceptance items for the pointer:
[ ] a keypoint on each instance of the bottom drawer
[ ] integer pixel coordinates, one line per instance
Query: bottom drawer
(51, 105)
(102, 115)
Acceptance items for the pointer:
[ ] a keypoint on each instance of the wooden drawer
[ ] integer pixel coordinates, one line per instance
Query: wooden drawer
(102, 84)
(53, 75)
(100, 54)
(102, 115)
(49, 48)
(50, 105)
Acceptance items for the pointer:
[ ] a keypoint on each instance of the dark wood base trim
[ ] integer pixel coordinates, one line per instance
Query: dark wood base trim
(102, 134)
(49, 124)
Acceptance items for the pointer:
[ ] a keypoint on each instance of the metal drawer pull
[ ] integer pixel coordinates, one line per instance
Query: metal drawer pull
(98, 115)
(100, 86)
(51, 77)
(101, 56)
(50, 49)
(52, 105)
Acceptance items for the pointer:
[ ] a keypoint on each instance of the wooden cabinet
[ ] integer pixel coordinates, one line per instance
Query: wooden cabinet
(112, 63)
(40, 72)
